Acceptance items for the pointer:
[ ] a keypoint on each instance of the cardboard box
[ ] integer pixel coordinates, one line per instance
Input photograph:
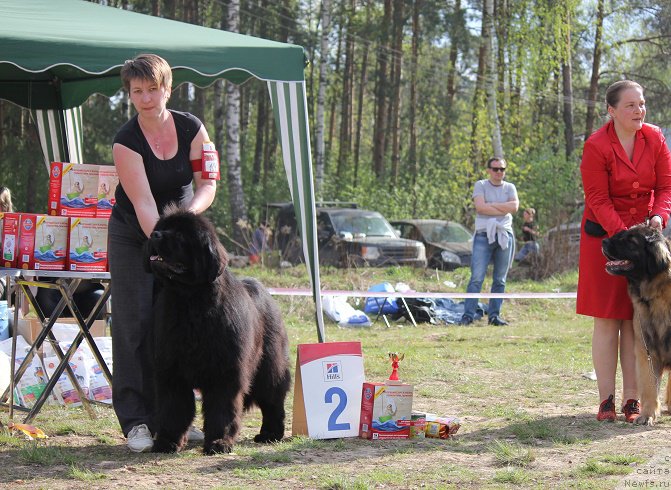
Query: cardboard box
(417, 425)
(73, 189)
(51, 242)
(25, 256)
(10, 239)
(87, 245)
(30, 328)
(107, 184)
(386, 411)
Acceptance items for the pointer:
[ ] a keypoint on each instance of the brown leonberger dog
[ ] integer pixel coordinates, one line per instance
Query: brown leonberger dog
(643, 255)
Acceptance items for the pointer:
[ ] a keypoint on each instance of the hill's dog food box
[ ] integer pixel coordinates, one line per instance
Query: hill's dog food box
(107, 183)
(51, 242)
(386, 411)
(10, 239)
(73, 189)
(87, 245)
(25, 259)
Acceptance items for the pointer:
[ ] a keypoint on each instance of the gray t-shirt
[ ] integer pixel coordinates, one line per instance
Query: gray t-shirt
(492, 194)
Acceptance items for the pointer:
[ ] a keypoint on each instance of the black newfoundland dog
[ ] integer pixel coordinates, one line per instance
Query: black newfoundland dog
(643, 255)
(213, 332)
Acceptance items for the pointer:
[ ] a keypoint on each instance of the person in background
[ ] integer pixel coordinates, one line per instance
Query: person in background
(6, 205)
(529, 234)
(259, 244)
(626, 176)
(494, 241)
(157, 155)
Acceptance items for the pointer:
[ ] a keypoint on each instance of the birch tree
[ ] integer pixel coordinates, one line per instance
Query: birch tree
(236, 193)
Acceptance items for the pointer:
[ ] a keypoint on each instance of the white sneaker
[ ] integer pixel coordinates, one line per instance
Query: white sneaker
(195, 434)
(139, 439)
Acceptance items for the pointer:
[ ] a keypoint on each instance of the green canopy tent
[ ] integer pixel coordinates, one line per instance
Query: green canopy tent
(55, 53)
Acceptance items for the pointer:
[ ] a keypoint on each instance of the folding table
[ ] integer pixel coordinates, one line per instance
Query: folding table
(66, 283)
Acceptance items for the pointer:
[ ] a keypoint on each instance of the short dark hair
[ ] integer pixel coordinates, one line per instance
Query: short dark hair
(614, 91)
(147, 67)
(496, 159)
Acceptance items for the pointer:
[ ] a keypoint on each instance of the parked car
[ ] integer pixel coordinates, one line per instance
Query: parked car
(448, 244)
(347, 236)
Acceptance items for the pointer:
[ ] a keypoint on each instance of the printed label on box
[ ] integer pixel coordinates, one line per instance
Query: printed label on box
(88, 245)
(77, 186)
(107, 184)
(51, 242)
(386, 411)
(10, 239)
(26, 241)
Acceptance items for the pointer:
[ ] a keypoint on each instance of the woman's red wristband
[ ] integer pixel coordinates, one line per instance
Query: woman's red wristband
(197, 165)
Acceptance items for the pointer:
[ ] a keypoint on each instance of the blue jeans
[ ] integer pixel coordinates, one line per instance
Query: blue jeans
(528, 248)
(484, 253)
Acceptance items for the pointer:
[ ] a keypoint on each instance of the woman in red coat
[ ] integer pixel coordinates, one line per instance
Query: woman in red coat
(626, 176)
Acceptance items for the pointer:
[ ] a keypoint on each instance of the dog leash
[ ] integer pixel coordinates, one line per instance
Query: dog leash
(652, 368)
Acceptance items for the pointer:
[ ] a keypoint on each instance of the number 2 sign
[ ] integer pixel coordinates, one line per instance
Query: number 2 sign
(327, 391)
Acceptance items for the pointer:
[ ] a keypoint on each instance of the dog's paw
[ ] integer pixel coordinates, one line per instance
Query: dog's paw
(165, 446)
(218, 446)
(644, 420)
(266, 437)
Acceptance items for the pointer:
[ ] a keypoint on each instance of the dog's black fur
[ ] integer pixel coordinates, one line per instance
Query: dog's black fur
(213, 332)
(643, 255)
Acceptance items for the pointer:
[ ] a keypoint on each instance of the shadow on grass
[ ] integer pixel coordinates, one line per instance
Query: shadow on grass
(251, 461)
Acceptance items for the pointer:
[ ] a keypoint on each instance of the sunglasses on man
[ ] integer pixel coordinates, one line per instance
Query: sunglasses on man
(497, 169)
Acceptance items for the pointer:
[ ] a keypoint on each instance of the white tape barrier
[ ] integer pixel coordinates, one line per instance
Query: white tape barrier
(415, 294)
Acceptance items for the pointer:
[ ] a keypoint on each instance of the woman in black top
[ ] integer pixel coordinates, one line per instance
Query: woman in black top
(153, 154)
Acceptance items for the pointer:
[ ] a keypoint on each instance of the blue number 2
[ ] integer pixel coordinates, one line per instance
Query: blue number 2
(328, 398)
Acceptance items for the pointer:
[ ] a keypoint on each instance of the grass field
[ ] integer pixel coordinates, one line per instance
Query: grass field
(527, 412)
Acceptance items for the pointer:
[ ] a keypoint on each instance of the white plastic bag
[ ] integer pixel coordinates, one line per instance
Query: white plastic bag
(339, 310)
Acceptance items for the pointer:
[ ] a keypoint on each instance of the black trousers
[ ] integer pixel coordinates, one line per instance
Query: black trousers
(132, 325)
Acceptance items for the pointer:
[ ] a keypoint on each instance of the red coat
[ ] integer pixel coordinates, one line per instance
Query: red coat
(619, 193)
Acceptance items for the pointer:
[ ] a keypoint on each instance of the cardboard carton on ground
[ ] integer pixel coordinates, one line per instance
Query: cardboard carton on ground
(63, 329)
(386, 411)
(73, 189)
(25, 258)
(107, 183)
(10, 239)
(51, 242)
(87, 245)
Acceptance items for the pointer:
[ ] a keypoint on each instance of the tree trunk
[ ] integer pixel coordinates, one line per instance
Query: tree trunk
(596, 62)
(219, 119)
(346, 96)
(492, 81)
(567, 82)
(396, 94)
(362, 90)
(261, 123)
(334, 97)
(234, 173)
(321, 96)
(380, 129)
(413, 164)
(479, 94)
(456, 27)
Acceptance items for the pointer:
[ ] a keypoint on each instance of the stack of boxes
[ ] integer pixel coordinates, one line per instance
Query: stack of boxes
(72, 236)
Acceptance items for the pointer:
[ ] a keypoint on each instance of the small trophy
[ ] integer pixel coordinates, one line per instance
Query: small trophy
(395, 358)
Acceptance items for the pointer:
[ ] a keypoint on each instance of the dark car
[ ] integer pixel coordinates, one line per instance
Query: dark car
(448, 244)
(347, 236)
